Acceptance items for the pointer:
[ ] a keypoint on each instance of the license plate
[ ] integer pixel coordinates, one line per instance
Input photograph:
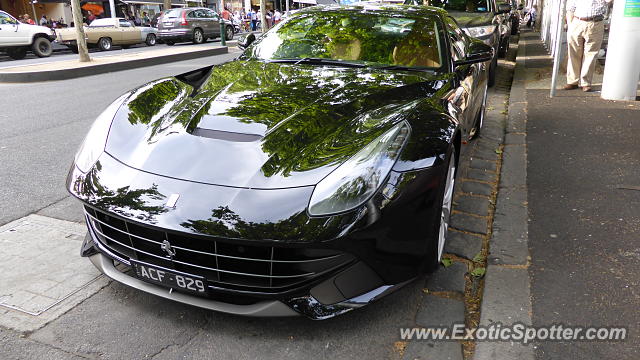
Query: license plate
(169, 278)
(168, 24)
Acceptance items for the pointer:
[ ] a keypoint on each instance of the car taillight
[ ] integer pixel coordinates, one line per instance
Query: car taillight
(184, 18)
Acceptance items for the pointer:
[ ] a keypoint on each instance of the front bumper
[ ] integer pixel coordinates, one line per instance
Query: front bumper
(310, 304)
(386, 241)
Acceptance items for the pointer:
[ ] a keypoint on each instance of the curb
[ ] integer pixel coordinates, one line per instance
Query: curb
(51, 75)
(507, 298)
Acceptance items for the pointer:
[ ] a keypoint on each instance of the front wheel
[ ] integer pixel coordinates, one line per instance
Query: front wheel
(42, 47)
(228, 34)
(17, 53)
(477, 125)
(104, 44)
(492, 71)
(446, 195)
(151, 40)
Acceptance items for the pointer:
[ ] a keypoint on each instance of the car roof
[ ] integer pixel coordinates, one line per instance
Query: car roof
(377, 7)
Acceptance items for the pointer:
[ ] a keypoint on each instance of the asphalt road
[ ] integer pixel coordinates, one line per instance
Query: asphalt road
(62, 53)
(584, 219)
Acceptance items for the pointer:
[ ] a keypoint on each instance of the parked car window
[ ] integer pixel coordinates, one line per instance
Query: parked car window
(210, 14)
(6, 19)
(463, 5)
(125, 23)
(192, 14)
(369, 39)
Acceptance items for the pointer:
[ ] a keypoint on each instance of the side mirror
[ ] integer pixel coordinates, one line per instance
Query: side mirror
(504, 8)
(246, 40)
(478, 52)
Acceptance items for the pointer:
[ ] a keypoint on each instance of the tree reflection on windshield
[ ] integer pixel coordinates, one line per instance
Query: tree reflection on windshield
(354, 36)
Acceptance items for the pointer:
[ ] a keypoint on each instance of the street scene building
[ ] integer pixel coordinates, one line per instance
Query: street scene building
(251, 179)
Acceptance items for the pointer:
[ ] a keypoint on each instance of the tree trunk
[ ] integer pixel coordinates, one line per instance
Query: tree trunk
(263, 15)
(81, 40)
(167, 5)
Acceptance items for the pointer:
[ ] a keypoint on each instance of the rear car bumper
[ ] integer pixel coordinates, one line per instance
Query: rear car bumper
(175, 35)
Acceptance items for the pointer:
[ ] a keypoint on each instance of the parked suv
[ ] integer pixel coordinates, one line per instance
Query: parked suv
(17, 38)
(191, 24)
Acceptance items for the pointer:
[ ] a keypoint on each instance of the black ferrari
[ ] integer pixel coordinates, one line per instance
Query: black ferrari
(312, 175)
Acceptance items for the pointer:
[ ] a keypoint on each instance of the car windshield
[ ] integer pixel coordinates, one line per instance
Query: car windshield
(473, 6)
(355, 37)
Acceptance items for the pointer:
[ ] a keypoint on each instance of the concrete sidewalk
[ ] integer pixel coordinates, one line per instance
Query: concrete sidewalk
(568, 253)
(68, 69)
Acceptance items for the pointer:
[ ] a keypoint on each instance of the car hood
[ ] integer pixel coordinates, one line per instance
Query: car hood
(260, 125)
(467, 20)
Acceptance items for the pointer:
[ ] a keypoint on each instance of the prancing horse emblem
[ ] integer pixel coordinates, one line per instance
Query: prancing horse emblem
(166, 247)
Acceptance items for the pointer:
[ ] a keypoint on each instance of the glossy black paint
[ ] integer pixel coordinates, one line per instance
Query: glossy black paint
(245, 142)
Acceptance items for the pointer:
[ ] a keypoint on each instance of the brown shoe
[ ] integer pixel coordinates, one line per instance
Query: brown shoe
(586, 88)
(570, 86)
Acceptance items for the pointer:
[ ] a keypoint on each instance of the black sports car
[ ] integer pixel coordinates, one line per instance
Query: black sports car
(312, 175)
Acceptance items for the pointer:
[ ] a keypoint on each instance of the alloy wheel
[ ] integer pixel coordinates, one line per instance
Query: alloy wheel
(447, 199)
(197, 37)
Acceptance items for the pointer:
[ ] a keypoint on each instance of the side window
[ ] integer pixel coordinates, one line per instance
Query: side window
(458, 43)
(211, 14)
(125, 23)
(6, 19)
(193, 14)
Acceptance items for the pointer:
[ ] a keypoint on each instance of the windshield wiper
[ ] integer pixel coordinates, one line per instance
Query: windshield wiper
(318, 61)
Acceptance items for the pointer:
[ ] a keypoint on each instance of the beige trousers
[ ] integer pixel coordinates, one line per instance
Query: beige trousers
(585, 40)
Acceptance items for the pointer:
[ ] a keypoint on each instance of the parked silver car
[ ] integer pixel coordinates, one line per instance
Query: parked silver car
(191, 24)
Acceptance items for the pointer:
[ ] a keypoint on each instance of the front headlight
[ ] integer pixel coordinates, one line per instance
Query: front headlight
(357, 180)
(480, 31)
(96, 139)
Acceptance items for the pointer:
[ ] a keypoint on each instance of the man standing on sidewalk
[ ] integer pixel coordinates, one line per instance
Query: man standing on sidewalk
(585, 34)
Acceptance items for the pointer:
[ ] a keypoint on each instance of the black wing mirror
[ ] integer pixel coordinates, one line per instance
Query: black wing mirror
(246, 40)
(504, 8)
(478, 52)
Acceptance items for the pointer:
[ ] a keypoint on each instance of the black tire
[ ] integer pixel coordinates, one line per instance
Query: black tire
(170, 43)
(151, 40)
(74, 49)
(479, 120)
(228, 33)
(105, 44)
(492, 71)
(42, 47)
(435, 252)
(198, 36)
(18, 53)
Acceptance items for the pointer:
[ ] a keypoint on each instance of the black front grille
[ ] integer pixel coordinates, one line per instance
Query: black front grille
(227, 265)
